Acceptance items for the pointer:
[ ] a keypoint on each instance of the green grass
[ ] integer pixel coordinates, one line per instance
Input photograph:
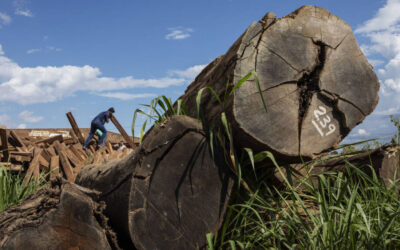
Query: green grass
(343, 211)
(11, 189)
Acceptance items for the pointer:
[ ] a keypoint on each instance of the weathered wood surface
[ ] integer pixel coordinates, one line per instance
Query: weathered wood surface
(62, 217)
(50, 140)
(316, 83)
(127, 138)
(75, 127)
(4, 144)
(384, 160)
(169, 193)
(21, 146)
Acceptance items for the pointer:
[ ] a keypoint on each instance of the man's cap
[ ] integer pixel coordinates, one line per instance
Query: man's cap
(111, 110)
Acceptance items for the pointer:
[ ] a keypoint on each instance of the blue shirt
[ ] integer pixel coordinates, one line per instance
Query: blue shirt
(102, 117)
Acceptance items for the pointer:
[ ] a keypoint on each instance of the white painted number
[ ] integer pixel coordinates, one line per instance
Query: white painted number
(322, 123)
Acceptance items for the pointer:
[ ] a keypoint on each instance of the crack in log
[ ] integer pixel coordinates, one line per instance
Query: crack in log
(336, 96)
(119, 184)
(256, 47)
(283, 59)
(308, 84)
(333, 100)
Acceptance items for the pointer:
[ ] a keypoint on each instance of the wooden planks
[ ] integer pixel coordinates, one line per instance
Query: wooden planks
(50, 140)
(127, 138)
(21, 147)
(54, 167)
(4, 144)
(58, 156)
(66, 166)
(33, 167)
(75, 127)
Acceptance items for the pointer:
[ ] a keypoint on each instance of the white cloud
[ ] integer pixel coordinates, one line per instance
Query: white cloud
(383, 31)
(43, 84)
(178, 33)
(189, 73)
(21, 8)
(31, 51)
(5, 120)
(24, 12)
(389, 111)
(4, 19)
(52, 48)
(27, 116)
(362, 132)
(386, 17)
(22, 125)
(125, 96)
(376, 62)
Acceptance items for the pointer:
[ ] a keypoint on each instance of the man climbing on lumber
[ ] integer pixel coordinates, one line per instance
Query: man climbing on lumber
(98, 124)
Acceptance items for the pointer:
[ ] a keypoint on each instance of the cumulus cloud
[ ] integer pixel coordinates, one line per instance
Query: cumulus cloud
(4, 19)
(125, 96)
(189, 73)
(383, 30)
(178, 33)
(43, 84)
(27, 116)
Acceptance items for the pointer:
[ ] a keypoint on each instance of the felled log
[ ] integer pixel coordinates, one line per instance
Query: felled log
(169, 193)
(316, 83)
(62, 217)
(384, 161)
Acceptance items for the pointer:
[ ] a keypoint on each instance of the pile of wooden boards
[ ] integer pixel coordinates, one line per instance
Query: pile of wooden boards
(55, 152)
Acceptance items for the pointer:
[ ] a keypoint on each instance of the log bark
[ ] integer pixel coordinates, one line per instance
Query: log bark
(316, 83)
(64, 216)
(169, 193)
(384, 160)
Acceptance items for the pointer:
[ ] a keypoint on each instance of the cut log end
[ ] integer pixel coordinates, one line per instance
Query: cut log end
(62, 217)
(179, 192)
(316, 83)
(315, 80)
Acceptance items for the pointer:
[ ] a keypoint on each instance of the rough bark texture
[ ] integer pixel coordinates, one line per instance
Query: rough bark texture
(62, 217)
(384, 160)
(169, 193)
(315, 80)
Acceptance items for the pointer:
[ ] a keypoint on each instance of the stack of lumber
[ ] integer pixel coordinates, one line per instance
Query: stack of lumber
(53, 154)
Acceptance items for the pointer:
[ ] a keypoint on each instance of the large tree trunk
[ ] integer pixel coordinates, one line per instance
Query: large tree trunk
(62, 217)
(384, 161)
(168, 194)
(315, 80)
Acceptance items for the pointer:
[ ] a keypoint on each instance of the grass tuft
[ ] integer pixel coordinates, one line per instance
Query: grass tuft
(11, 189)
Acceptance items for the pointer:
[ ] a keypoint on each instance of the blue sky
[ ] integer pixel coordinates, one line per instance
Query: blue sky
(85, 56)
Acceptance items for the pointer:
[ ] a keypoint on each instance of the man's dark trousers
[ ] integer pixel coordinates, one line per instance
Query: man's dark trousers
(93, 127)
